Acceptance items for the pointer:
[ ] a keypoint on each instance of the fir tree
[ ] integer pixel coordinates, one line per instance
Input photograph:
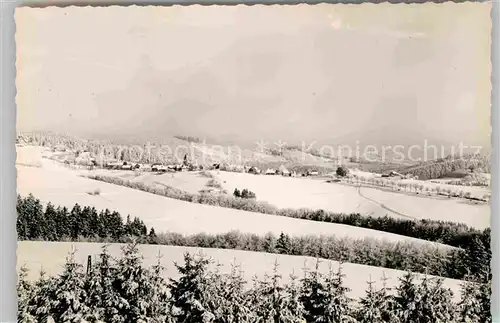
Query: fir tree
(24, 295)
(485, 301)
(479, 258)
(314, 296)
(377, 305)
(158, 296)
(233, 303)
(110, 301)
(283, 244)
(74, 221)
(436, 303)
(469, 307)
(407, 299)
(338, 304)
(44, 298)
(294, 308)
(370, 311)
(70, 294)
(22, 224)
(132, 284)
(62, 223)
(50, 225)
(190, 292)
(272, 301)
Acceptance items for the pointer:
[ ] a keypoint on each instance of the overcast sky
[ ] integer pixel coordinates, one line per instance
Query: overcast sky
(324, 72)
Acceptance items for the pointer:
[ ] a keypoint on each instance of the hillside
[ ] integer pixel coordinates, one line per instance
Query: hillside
(172, 149)
(35, 255)
(449, 166)
(53, 183)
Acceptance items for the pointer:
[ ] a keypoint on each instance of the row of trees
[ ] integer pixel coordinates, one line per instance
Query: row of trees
(51, 223)
(87, 224)
(451, 233)
(415, 187)
(123, 290)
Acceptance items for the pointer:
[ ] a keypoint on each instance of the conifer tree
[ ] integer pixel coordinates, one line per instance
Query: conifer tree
(62, 223)
(436, 302)
(158, 296)
(314, 296)
(469, 307)
(377, 305)
(44, 298)
(74, 220)
(233, 303)
(132, 284)
(407, 298)
(294, 309)
(110, 302)
(50, 225)
(283, 244)
(485, 301)
(70, 294)
(478, 259)
(370, 311)
(338, 307)
(24, 296)
(35, 219)
(22, 218)
(272, 303)
(190, 292)
(94, 298)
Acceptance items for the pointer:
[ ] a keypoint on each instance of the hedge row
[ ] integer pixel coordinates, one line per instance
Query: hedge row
(450, 233)
(60, 224)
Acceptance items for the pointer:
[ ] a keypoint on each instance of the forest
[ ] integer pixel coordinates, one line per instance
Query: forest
(122, 290)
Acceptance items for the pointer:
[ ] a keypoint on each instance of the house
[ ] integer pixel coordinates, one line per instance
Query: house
(157, 167)
(144, 167)
(126, 166)
(162, 168)
(393, 174)
(270, 171)
(113, 165)
(283, 171)
(253, 170)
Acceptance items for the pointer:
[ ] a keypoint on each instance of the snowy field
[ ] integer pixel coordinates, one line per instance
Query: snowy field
(318, 194)
(191, 182)
(51, 256)
(60, 186)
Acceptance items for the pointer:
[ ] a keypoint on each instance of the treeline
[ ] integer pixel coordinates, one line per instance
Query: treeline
(34, 222)
(450, 233)
(444, 166)
(407, 256)
(87, 224)
(123, 290)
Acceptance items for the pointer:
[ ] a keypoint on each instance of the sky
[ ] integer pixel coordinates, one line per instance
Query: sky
(380, 73)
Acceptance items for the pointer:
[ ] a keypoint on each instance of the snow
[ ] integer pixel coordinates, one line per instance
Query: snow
(50, 256)
(286, 192)
(60, 186)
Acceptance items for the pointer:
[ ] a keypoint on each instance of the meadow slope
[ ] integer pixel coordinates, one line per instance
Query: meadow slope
(288, 192)
(51, 256)
(61, 186)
